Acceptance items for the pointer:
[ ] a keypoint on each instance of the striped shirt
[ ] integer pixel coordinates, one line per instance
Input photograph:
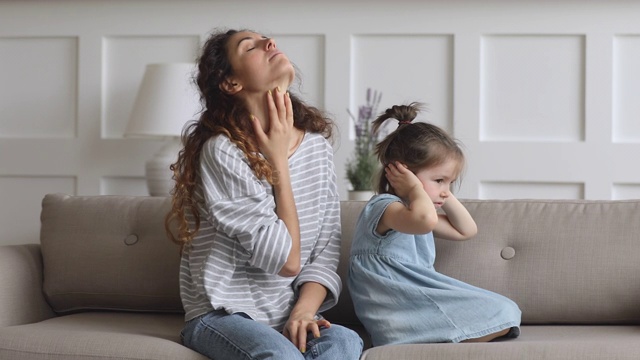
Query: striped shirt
(234, 259)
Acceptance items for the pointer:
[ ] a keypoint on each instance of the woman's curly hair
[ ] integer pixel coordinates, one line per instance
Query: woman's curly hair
(222, 114)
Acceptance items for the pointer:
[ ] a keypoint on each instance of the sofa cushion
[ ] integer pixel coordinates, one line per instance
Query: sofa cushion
(561, 261)
(98, 336)
(21, 298)
(108, 253)
(557, 342)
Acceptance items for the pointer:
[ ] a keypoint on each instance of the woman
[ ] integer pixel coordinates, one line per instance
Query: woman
(257, 212)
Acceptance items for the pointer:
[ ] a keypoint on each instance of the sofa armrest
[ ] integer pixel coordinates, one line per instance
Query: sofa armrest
(21, 298)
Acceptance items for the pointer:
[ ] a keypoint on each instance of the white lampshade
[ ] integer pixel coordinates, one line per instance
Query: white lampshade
(166, 101)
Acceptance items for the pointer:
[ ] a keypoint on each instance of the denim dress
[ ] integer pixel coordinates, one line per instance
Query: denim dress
(401, 299)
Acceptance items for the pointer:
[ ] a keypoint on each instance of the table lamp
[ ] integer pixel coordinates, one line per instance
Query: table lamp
(166, 100)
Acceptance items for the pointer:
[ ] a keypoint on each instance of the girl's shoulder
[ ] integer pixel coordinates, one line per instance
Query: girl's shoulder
(377, 205)
(382, 199)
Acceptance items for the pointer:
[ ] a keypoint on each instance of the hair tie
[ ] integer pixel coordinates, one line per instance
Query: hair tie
(403, 122)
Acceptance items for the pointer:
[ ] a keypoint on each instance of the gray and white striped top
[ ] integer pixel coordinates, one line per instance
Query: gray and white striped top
(234, 259)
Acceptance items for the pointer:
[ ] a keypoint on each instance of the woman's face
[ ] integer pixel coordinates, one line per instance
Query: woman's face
(258, 65)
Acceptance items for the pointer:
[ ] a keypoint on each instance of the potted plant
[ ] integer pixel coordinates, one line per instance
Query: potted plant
(363, 165)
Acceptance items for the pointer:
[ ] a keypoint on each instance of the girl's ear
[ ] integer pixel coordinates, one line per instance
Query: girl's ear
(230, 87)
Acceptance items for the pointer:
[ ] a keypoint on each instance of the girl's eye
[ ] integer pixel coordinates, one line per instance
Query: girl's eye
(439, 181)
(249, 49)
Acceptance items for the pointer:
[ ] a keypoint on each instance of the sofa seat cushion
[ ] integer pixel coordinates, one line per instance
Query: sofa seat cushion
(96, 336)
(557, 342)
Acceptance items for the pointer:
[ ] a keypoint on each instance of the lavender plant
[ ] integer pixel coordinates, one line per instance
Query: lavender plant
(363, 165)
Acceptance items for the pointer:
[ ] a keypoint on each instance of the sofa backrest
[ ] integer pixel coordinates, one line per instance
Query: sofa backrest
(108, 253)
(561, 261)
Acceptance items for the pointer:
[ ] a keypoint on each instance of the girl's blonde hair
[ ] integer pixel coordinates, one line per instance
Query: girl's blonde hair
(417, 145)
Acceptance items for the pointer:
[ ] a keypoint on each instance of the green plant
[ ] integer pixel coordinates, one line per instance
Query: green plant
(363, 165)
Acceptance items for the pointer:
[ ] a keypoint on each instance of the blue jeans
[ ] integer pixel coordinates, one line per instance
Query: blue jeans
(219, 335)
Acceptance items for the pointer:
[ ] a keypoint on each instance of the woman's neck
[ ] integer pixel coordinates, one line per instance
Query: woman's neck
(256, 103)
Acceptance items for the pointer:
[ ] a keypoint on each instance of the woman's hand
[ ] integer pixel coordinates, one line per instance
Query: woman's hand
(299, 324)
(275, 140)
(302, 318)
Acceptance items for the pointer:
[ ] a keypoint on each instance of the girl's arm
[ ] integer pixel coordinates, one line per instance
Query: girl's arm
(456, 223)
(274, 145)
(302, 318)
(419, 216)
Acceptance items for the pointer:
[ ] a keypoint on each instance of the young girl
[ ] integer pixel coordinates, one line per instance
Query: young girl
(397, 294)
(257, 212)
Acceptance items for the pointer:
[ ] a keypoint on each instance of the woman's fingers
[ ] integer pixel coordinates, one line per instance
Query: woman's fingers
(273, 110)
(302, 339)
(293, 334)
(288, 108)
(323, 323)
(257, 128)
(280, 108)
(280, 104)
(276, 133)
(315, 329)
(298, 331)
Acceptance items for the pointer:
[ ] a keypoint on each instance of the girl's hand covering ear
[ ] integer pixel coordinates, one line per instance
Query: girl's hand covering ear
(403, 180)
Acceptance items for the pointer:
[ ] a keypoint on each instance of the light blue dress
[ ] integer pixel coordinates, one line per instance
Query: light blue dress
(401, 299)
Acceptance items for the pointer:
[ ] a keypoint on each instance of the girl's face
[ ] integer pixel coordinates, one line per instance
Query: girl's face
(437, 180)
(257, 63)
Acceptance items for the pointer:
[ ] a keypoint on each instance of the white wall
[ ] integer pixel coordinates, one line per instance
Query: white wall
(544, 94)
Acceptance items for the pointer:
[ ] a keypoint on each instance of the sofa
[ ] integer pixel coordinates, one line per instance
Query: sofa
(102, 282)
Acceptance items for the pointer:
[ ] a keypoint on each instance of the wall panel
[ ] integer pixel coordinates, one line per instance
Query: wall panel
(38, 96)
(530, 190)
(626, 89)
(543, 94)
(123, 185)
(626, 191)
(21, 204)
(532, 88)
(406, 68)
(307, 52)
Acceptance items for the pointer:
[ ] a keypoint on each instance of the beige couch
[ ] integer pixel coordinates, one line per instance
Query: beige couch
(103, 284)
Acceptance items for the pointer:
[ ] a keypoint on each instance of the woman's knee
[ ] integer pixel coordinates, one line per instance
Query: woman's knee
(345, 333)
(236, 337)
(346, 339)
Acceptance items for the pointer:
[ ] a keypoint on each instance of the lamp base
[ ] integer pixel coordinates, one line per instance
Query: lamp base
(157, 172)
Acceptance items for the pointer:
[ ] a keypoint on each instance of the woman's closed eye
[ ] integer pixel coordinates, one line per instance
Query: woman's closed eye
(256, 42)
(251, 45)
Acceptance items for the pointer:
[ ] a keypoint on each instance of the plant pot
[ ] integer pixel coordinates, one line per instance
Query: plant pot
(361, 195)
